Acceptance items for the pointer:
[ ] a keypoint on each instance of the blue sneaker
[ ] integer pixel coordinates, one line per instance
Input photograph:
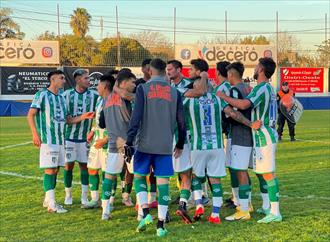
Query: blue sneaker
(161, 232)
(270, 218)
(143, 223)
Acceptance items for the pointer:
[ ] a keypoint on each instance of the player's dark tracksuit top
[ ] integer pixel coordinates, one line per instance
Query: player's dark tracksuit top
(240, 134)
(157, 109)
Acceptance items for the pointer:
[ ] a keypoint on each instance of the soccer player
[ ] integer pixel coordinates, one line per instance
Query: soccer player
(182, 165)
(263, 101)
(241, 143)
(78, 100)
(207, 153)
(115, 118)
(158, 108)
(98, 139)
(46, 118)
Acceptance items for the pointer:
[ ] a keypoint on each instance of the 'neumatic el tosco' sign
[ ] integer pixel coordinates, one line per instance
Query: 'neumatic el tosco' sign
(303, 80)
(33, 52)
(247, 54)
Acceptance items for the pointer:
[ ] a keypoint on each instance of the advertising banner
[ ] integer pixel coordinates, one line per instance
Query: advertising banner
(303, 80)
(32, 52)
(247, 54)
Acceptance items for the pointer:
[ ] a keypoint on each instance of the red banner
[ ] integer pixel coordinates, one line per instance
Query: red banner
(303, 80)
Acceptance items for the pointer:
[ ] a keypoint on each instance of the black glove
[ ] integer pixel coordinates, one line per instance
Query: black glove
(129, 152)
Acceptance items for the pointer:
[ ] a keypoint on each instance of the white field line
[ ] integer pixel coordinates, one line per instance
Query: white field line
(78, 183)
(312, 141)
(16, 145)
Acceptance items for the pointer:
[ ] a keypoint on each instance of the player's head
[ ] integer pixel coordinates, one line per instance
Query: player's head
(265, 69)
(285, 86)
(81, 78)
(221, 70)
(197, 67)
(114, 73)
(157, 67)
(56, 78)
(145, 68)
(235, 72)
(126, 80)
(174, 69)
(124, 69)
(105, 86)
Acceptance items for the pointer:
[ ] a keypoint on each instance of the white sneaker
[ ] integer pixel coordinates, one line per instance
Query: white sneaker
(105, 216)
(91, 204)
(84, 202)
(57, 209)
(127, 202)
(139, 217)
(68, 201)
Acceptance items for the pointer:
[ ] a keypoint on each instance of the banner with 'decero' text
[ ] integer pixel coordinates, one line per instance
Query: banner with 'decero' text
(32, 52)
(247, 54)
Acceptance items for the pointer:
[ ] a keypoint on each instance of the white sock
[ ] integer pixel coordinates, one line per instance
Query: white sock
(125, 195)
(244, 204)
(162, 211)
(265, 201)
(204, 188)
(68, 192)
(197, 196)
(216, 202)
(95, 195)
(105, 206)
(50, 194)
(140, 211)
(122, 184)
(183, 200)
(84, 192)
(234, 191)
(275, 208)
(151, 197)
(142, 198)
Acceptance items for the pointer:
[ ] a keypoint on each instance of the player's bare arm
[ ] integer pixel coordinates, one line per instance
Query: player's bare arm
(31, 120)
(237, 103)
(101, 142)
(74, 120)
(241, 119)
(200, 87)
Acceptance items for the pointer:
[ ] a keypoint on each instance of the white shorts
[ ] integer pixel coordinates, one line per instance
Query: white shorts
(182, 163)
(227, 145)
(75, 151)
(264, 159)
(115, 164)
(51, 156)
(211, 160)
(240, 157)
(97, 158)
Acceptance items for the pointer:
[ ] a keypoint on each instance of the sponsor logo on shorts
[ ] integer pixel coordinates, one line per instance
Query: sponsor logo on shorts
(54, 159)
(68, 155)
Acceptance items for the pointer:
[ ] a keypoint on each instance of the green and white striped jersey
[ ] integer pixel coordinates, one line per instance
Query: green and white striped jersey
(79, 103)
(51, 116)
(99, 133)
(204, 121)
(223, 87)
(263, 99)
(183, 86)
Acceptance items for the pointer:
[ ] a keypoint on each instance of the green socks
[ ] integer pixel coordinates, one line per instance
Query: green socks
(67, 178)
(273, 190)
(94, 181)
(106, 189)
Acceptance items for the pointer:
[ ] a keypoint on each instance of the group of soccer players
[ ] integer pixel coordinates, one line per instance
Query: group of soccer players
(155, 126)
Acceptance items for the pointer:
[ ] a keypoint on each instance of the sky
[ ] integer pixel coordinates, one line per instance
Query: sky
(195, 20)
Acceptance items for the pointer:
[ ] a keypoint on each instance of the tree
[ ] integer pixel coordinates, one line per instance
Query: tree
(258, 40)
(47, 36)
(323, 51)
(158, 44)
(80, 20)
(8, 27)
(217, 40)
(132, 53)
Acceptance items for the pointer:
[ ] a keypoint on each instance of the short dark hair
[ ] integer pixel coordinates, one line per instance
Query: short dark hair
(124, 69)
(221, 68)
(200, 64)
(146, 62)
(237, 66)
(52, 73)
(79, 72)
(109, 80)
(177, 64)
(158, 64)
(113, 72)
(269, 66)
(124, 75)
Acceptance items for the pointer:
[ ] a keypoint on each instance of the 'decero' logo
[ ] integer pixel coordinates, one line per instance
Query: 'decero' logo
(47, 52)
(185, 54)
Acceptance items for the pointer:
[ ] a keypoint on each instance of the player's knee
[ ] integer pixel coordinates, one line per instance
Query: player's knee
(92, 172)
(51, 171)
(269, 176)
(162, 181)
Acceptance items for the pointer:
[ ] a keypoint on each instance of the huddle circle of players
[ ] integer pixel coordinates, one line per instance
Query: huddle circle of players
(146, 129)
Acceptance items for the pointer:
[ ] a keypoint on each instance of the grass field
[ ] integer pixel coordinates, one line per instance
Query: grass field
(303, 168)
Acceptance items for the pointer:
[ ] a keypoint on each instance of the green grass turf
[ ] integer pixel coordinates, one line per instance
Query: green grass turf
(303, 168)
